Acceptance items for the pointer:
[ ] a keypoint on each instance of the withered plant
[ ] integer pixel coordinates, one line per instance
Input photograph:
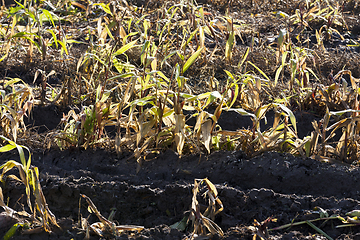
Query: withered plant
(106, 227)
(203, 223)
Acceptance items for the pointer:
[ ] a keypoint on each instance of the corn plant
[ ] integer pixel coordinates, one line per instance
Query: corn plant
(295, 60)
(345, 149)
(41, 217)
(16, 101)
(87, 127)
(203, 223)
(321, 142)
(261, 229)
(32, 16)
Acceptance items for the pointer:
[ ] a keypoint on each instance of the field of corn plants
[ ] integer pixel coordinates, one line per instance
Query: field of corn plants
(179, 119)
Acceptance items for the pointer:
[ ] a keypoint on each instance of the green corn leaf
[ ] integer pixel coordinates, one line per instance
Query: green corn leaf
(289, 113)
(74, 41)
(212, 97)
(236, 93)
(162, 75)
(278, 71)
(181, 225)
(142, 101)
(54, 37)
(229, 74)
(125, 75)
(189, 39)
(168, 56)
(282, 14)
(180, 55)
(109, 32)
(312, 72)
(49, 16)
(13, 81)
(318, 230)
(63, 46)
(11, 232)
(244, 58)
(339, 113)
(125, 48)
(354, 213)
(105, 7)
(260, 71)
(229, 46)
(3, 57)
(7, 148)
(98, 92)
(191, 60)
(242, 112)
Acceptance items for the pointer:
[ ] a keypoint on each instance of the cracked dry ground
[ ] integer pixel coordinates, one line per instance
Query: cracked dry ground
(270, 185)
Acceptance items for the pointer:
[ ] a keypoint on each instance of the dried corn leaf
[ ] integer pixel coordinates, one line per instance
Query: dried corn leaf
(206, 133)
(144, 129)
(179, 132)
(106, 226)
(211, 226)
(122, 228)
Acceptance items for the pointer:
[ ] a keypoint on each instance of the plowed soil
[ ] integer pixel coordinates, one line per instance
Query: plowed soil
(270, 185)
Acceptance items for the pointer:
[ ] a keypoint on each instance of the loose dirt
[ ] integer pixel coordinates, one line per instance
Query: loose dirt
(273, 184)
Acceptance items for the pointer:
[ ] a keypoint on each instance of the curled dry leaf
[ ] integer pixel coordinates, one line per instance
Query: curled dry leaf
(105, 226)
(206, 133)
(179, 132)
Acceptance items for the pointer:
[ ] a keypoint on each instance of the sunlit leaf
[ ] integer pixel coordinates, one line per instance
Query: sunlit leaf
(229, 46)
(7, 148)
(282, 14)
(179, 132)
(242, 112)
(260, 71)
(124, 48)
(191, 60)
(340, 113)
(105, 7)
(11, 232)
(289, 113)
(206, 133)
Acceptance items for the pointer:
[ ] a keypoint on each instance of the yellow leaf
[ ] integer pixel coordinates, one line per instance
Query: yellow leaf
(206, 133)
(179, 132)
